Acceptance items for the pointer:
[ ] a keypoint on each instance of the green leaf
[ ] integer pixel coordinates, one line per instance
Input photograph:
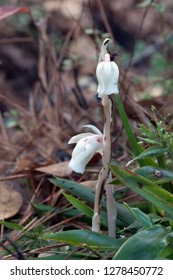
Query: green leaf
(167, 253)
(83, 208)
(42, 207)
(146, 188)
(145, 245)
(79, 205)
(148, 140)
(11, 225)
(137, 149)
(86, 239)
(124, 218)
(143, 219)
(76, 189)
(131, 137)
(150, 152)
(158, 175)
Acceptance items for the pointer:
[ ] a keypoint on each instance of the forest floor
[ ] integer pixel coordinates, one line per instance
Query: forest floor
(48, 57)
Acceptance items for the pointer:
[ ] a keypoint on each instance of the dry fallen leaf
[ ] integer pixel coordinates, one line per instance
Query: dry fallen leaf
(90, 184)
(10, 201)
(58, 169)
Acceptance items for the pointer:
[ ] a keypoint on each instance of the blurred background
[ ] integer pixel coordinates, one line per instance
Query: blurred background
(48, 56)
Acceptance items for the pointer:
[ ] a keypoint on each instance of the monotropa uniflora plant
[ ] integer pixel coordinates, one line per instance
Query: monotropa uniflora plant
(87, 144)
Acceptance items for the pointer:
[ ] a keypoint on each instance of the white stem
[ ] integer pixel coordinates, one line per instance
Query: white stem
(97, 204)
(111, 208)
(104, 173)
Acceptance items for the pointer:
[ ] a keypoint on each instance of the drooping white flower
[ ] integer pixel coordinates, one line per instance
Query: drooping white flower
(107, 73)
(87, 144)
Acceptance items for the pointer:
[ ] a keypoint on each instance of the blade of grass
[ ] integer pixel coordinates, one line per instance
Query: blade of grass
(150, 152)
(86, 239)
(131, 137)
(143, 219)
(79, 205)
(137, 149)
(82, 207)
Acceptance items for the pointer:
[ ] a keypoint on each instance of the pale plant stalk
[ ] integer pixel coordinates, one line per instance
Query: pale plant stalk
(111, 208)
(104, 176)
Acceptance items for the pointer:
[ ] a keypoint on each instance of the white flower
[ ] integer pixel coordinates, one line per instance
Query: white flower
(107, 73)
(87, 144)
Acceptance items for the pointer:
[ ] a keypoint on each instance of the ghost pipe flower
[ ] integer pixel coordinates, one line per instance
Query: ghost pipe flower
(107, 73)
(87, 144)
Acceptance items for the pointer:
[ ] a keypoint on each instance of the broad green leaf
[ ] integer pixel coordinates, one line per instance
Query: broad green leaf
(167, 253)
(145, 245)
(143, 219)
(158, 175)
(146, 188)
(150, 152)
(86, 239)
(76, 189)
(124, 218)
